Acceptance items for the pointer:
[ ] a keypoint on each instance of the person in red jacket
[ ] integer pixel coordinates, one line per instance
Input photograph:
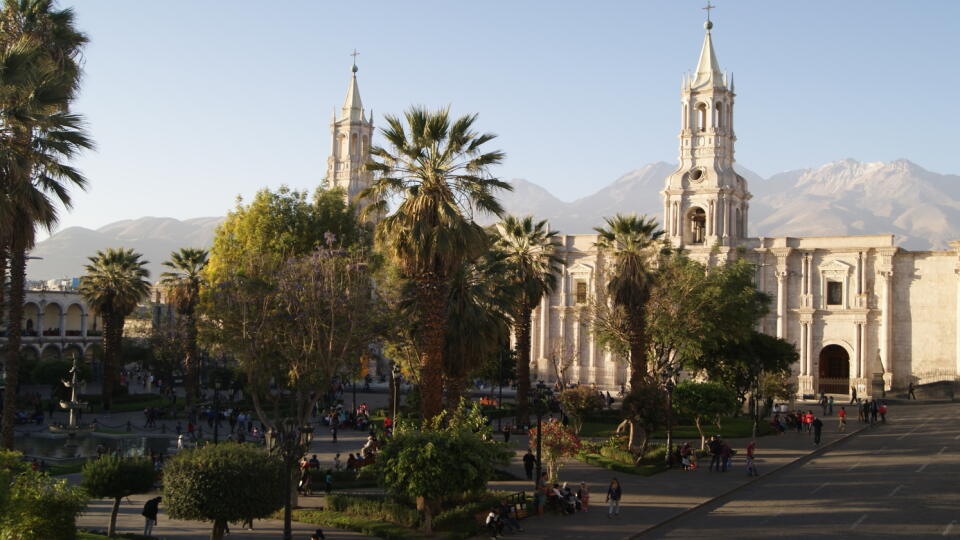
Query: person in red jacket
(842, 414)
(808, 421)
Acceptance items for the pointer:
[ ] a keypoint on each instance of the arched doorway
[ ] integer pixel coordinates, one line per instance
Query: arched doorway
(697, 225)
(834, 370)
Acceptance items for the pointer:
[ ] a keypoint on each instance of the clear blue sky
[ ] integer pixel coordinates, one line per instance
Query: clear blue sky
(192, 103)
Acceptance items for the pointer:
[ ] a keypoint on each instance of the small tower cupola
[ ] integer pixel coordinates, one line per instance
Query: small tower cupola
(705, 202)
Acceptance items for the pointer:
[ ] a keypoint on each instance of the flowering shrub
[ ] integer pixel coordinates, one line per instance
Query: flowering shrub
(558, 441)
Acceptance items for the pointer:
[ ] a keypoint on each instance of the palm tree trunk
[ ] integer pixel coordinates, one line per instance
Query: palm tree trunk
(432, 299)
(190, 358)
(522, 332)
(455, 390)
(18, 268)
(638, 349)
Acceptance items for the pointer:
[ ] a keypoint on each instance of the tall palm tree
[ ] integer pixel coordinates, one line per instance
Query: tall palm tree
(39, 77)
(529, 249)
(439, 173)
(183, 290)
(478, 309)
(115, 282)
(632, 242)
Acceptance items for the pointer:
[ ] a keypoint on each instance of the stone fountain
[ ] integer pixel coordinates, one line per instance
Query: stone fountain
(72, 427)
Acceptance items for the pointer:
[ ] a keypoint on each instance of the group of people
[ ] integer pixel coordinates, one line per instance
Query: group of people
(501, 519)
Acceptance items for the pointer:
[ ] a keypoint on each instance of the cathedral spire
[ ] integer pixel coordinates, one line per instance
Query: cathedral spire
(352, 106)
(708, 69)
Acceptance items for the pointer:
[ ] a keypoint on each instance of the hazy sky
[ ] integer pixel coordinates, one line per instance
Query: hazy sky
(192, 103)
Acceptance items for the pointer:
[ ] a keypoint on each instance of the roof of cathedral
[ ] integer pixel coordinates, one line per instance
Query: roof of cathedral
(352, 106)
(708, 69)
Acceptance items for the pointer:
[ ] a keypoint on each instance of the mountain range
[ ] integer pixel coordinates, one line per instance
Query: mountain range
(846, 197)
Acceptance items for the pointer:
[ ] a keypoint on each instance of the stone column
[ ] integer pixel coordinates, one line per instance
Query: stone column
(886, 325)
(577, 335)
(83, 324)
(726, 217)
(63, 323)
(545, 316)
(803, 349)
(809, 347)
(666, 213)
(783, 274)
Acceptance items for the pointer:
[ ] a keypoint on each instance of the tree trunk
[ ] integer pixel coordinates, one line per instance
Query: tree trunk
(426, 506)
(703, 438)
(638, 349)
(522, 332)
(432, 300)
(455, 391)
(112, 530)
(17, 276)
(219, 529)
(289, 485)
(190, 359)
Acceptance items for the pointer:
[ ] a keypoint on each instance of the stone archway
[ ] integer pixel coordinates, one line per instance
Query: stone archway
(834, 370)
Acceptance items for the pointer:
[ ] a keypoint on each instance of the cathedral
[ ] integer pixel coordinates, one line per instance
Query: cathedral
(863, 313)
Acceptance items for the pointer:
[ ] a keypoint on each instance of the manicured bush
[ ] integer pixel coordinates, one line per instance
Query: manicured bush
(222, 483)
(39, 507)
(116, 477)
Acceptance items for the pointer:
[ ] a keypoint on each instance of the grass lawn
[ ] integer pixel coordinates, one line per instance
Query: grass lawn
(340, 520)
(84, 535)
(643, 469)
(732, 427)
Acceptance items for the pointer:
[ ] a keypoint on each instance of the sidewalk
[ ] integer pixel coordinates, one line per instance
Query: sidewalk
(648, 501)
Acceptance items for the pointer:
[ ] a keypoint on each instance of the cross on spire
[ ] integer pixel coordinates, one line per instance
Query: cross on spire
(355, 54)
(708, 8)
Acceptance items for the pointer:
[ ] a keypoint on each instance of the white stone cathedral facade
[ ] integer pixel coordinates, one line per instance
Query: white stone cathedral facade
(862, 312)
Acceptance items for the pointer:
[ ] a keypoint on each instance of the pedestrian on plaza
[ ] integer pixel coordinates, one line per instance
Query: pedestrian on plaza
(506, 433)
(817, 430)
(874, 410)
(823, 403)
(333, 432)
(860, 414)
(910, 393)
(751, 464)
(853, 395)
(318, 535)
(328, 481)
(882, 409)
(179, 442)
(714, 447)
(808, 421)
(150, 511)
(584, 495)
(798, 420)
(842, 413)
(337, 465)
(613, 498)
(830, 406)
(528, 462)
(726, 456)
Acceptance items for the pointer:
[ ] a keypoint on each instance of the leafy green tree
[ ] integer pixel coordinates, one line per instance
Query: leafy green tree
(40, 50)
(580, 401)
(632, 242)
(115, 477)
(528, 249)
(448, 455)
(115, 282)
(439, 173)
(183, 290)
(739, 365)
(703, 400)
(40, 507)
(643, 412)
(223, 483)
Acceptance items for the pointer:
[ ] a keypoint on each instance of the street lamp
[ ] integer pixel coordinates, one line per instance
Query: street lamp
(216, 411)
(396, 391)
(500, 400)
(667, 375)
(539, 405)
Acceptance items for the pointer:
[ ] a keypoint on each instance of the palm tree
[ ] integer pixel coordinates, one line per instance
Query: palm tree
(631, 240)
(115, 282)
(439, 173)
(478, 309)
(183, 290)
(39, 77)
(528, 247)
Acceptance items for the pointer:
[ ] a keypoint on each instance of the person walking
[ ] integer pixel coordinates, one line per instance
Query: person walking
(842, 414)
(830, 406)
(150, 510)
(613, 498)
(823, 403)
(910, 393)
(853, 395)
(528, 462)
(751, 464)
(506, 433)
(860, 415)
(714, 446)
(817, 430)
(874, 410)
(808, 420)
(584, 495)
(882, 409)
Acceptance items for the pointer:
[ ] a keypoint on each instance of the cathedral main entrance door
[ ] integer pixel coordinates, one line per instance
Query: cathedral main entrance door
(834, 370)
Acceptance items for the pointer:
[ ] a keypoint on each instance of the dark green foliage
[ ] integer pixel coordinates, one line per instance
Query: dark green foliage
(115, 477)
(374, 507)
(704, 401)
(40, 507)
(222, 483)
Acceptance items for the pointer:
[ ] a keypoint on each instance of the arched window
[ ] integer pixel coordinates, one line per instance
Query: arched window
(365, 147)
(719, 112)
(696, 225)
(354, 150)
(701, 116)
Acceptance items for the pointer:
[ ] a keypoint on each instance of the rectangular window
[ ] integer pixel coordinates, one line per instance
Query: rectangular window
(581, 290)
(834, 293)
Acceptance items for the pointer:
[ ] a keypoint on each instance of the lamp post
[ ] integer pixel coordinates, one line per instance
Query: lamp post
(500, 399)
(396, 391)
(668, 375)
(539, 405)
(216, 411)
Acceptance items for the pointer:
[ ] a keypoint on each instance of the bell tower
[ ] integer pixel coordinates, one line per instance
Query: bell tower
(705, 202)
(350, 144)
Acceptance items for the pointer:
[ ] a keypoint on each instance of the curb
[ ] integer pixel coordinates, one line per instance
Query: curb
(724, 496)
